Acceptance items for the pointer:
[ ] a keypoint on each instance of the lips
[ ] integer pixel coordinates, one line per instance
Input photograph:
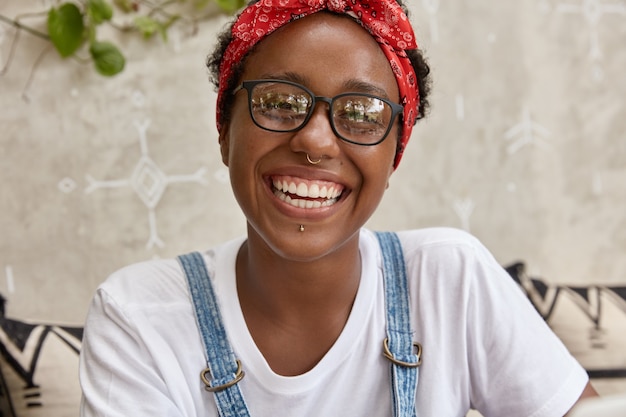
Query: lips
(306, 194)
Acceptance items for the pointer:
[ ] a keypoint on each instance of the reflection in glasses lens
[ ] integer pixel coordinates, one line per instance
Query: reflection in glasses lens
(283, 106)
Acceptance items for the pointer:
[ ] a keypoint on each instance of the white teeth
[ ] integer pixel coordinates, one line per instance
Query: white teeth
(312, 204)
(302, 190)
(301, 203)
(286, 191)
(314, 191)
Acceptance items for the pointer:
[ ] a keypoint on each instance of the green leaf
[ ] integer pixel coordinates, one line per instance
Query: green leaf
(147, 26)
(66, 28)
(165, 26)
(108, 59)
(230, 6)
(99, 11)
(90, 32)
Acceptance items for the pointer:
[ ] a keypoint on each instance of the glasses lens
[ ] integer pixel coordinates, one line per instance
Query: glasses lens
(279, 106)
(361, 118)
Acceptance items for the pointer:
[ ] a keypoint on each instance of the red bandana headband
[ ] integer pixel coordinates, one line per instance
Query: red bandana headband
(384, 19)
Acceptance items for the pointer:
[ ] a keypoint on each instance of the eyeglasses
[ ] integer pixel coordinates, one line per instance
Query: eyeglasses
(285, 106)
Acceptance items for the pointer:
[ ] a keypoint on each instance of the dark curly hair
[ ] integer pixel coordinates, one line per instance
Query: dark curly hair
(214, 60)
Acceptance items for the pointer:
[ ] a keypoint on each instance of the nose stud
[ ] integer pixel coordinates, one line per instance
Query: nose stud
(308, 158)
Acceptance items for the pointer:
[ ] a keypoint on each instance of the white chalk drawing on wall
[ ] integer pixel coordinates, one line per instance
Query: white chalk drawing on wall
(66, 185)
(592, 11)
(597, 185)
(10, 280)
(222, 175)
(460, 107)
(147, 180)
(432, 7)
(138, 98)
(526, 132)
(464, 209)
(511, 187)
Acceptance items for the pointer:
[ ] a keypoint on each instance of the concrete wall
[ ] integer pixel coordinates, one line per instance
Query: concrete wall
(525, 147)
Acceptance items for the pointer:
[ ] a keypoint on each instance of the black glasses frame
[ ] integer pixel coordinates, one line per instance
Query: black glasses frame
(250, 84)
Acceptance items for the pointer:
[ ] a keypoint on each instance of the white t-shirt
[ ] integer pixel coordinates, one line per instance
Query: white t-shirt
(484, 346)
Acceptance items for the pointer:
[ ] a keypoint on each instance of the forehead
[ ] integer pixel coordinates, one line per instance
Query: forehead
(326, 51)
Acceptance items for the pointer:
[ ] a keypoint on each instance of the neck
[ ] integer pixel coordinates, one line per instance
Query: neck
(294, 309)
(297, 288)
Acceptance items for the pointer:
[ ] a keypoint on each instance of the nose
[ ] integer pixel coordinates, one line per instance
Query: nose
(316, 137)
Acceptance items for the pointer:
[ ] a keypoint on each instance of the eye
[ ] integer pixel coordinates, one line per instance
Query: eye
(361, 115)
(286, 102)
(280, 106)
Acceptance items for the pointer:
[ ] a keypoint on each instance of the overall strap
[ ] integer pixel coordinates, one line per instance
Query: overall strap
(224, 370)
(399, 347)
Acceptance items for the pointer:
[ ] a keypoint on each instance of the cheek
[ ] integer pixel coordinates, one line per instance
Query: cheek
(240, 128)
(376, 163)
(391, 147)
(388, 150)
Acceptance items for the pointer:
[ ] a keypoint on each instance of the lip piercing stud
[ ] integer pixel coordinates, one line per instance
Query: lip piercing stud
(302, 228)
(308, 158)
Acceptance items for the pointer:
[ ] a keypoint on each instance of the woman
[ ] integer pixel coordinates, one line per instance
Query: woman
(316, 102)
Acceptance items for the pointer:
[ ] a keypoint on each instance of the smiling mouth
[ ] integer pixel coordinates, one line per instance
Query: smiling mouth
(305, 193)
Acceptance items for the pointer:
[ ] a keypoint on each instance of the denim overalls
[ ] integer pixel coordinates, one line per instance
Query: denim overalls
(224, 370)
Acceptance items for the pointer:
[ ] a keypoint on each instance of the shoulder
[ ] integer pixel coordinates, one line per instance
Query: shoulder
(437, 236)
(145, 284)
(441, 242)
(448, 256)
(431, 237)
(161, 283)
(438, 243)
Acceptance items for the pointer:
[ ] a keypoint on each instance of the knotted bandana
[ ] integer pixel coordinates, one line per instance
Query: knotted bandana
(384, 20)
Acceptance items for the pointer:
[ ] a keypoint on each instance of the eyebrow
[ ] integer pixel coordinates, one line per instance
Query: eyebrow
(352, 85)
(365, 87)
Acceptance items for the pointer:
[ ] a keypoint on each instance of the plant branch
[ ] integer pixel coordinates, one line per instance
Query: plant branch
(40, 58)
(6, 66)
(157, 17)
(18, 25)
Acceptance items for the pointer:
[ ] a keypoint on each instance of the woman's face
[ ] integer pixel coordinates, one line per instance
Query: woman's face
(329, 55)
